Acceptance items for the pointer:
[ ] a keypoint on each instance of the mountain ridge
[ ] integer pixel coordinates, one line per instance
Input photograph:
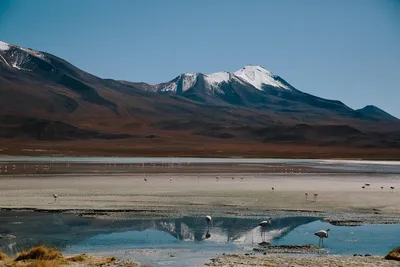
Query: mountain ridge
(239, 107)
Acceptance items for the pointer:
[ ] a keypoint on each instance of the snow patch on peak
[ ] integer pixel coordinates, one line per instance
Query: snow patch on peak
(217, 78)
(188, 80)
(34, 53)
(258, 76)
(4, 46)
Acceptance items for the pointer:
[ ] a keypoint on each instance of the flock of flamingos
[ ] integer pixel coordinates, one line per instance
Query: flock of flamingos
(263, 224)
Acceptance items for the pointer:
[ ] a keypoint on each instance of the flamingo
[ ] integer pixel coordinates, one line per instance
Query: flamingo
(208, 220)
(263, 225)
(322, 234)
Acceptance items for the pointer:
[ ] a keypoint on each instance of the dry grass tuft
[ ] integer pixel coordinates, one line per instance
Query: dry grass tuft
(40, 253)
(393, 255)
(42, 256)
(3, 256)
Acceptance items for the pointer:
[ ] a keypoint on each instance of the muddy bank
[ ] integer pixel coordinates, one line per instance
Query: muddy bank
(299, 261)
(289, 249)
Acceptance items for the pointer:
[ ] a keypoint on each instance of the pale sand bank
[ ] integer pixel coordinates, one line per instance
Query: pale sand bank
(336, 193)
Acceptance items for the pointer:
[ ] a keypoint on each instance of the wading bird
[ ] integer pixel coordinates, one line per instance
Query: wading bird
(208, 220)
(55, 197)
(392, 188)
(306, 195)
(265, 223)
(272, 188)
(315, 197)
(322, 234)
(263, 226)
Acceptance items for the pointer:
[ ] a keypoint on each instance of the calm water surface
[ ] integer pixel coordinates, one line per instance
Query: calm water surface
(173, 241)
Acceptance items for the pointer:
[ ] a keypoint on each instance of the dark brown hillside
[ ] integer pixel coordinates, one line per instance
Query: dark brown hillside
(45, 99)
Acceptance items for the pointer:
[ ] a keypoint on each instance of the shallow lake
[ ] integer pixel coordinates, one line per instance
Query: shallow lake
(365, 166)
(182, 240)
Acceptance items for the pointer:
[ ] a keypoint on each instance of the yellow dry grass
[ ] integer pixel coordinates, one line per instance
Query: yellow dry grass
(3, 256)
(393, 255)
(39, 253)
(43, 256)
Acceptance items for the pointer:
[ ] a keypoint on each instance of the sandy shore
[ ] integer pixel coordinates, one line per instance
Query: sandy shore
(298, 261)
(187, 192)
(340, 200)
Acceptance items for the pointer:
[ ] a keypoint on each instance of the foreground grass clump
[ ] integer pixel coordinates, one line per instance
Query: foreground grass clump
(40, 253)
(3, 256)
(393, 255)
(43, 256)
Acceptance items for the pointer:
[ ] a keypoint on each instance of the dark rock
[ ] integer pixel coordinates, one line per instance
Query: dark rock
(264, 244)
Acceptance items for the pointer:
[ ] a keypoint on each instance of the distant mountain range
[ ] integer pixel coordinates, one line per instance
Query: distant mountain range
(44, 97)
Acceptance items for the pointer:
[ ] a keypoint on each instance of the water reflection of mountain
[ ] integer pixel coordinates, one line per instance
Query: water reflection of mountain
(229, 229)
(64, 230)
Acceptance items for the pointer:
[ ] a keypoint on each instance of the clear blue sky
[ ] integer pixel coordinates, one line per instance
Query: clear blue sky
(338, 49)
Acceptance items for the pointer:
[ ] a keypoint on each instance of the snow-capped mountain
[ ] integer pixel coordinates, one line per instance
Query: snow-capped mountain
(20, 58)
(37, 84)
(251, 75)
(252, 87)
(261, 78)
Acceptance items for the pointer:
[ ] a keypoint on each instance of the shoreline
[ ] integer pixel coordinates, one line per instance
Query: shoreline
(336, 219)
(299, 261)
(190, 192)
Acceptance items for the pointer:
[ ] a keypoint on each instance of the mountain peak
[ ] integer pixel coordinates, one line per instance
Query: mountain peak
(19, 57)
(4, 46)
(259, 77)
(374, 111)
